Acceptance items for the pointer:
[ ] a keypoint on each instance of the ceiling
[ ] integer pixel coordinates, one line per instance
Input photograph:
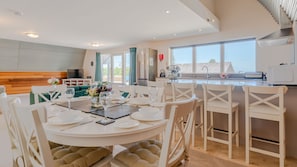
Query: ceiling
(289, 7)
(111, 23)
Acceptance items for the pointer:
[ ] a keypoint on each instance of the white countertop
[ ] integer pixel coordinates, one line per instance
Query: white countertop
(235, 82)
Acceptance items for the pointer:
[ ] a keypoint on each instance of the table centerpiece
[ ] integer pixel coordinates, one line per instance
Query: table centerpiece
(94, 92)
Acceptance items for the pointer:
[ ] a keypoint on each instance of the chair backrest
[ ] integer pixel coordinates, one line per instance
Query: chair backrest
(41, 91)
(268, 98)
(141, 91)
(156, 83)
(182, 91)
(217, 96)
(126, 90)
(160, 87)
(13, 131)
(173, 151)
(37, 147)
(156, 94)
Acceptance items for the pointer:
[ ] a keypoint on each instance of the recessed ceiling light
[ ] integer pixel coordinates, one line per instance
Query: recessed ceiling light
(167, 11)
(32, 35)
(96, 44)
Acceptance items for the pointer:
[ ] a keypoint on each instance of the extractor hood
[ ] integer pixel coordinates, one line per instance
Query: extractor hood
(283, 36)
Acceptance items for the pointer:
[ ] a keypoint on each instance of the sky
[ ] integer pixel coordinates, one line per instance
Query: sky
(242, 54)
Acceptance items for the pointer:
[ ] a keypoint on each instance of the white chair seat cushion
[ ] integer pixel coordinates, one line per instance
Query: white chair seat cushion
(142, 154)
(264, 109)
(216, 105)
(78, 156)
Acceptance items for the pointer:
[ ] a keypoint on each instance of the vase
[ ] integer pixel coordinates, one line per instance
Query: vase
(95, 101)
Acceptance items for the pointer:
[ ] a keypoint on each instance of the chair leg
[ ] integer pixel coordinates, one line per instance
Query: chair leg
(282, 143)
(247, 138)
(230, 135)
(205, 129)
(201, 119)
(211, 123)
(193, 130)
(236, 128)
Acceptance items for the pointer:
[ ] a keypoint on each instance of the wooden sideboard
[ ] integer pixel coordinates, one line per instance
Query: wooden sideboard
(21, 82)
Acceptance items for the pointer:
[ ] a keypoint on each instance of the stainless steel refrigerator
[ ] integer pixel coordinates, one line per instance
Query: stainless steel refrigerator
(146, 65)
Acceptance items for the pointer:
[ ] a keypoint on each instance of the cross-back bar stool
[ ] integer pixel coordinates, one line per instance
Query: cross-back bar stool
(265, 103)
(218, 99)
(181, 91)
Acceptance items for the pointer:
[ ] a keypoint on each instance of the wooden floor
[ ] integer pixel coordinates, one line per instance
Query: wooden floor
(217, 156)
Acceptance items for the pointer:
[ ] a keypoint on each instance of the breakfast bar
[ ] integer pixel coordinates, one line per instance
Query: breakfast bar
(261, 129)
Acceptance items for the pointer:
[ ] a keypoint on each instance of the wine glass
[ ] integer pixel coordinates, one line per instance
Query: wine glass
(105, 100)
(51, 91)
(153, 94)
(69, 95)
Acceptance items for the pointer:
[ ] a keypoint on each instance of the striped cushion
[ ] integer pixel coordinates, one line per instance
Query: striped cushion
(70, 156)
(142, 154)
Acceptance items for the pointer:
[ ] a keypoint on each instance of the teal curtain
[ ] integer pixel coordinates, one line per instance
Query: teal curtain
(98, 74)
(132, 77)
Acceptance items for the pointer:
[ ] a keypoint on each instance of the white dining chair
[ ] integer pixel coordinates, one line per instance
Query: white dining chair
(16, 147)
(167, 87)
(127, 91)
(160, 85)
(167, 152)
(41, 91)
(156, 83)
(181, 91)
(218, 99)
(141, 91)
(265, 103)
(40, 152)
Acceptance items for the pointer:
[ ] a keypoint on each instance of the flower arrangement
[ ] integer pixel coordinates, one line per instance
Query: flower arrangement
(98, 87)
(53, 81)
(224, 75)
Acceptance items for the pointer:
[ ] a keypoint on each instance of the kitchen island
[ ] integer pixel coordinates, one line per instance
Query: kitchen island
(261, 129)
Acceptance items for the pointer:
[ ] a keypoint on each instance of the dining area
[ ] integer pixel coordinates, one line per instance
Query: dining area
(90, 132)
(162, 124)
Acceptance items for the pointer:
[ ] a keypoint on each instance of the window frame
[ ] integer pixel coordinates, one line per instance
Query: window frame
(110, 69)
(222, 55)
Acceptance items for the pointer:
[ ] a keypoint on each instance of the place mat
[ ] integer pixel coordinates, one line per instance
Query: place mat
(114, 112)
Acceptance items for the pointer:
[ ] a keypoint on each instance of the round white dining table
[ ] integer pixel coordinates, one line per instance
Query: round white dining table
(88, 133)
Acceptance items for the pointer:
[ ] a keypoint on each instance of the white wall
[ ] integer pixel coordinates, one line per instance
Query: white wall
(239, 19)
(89, 70)
(26, 56)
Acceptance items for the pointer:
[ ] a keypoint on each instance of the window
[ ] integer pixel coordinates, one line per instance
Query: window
(229, 57)
(183, 57)
(208, 55)
(241, 55)
(106, 67)
(116, 68)
(127, 69)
